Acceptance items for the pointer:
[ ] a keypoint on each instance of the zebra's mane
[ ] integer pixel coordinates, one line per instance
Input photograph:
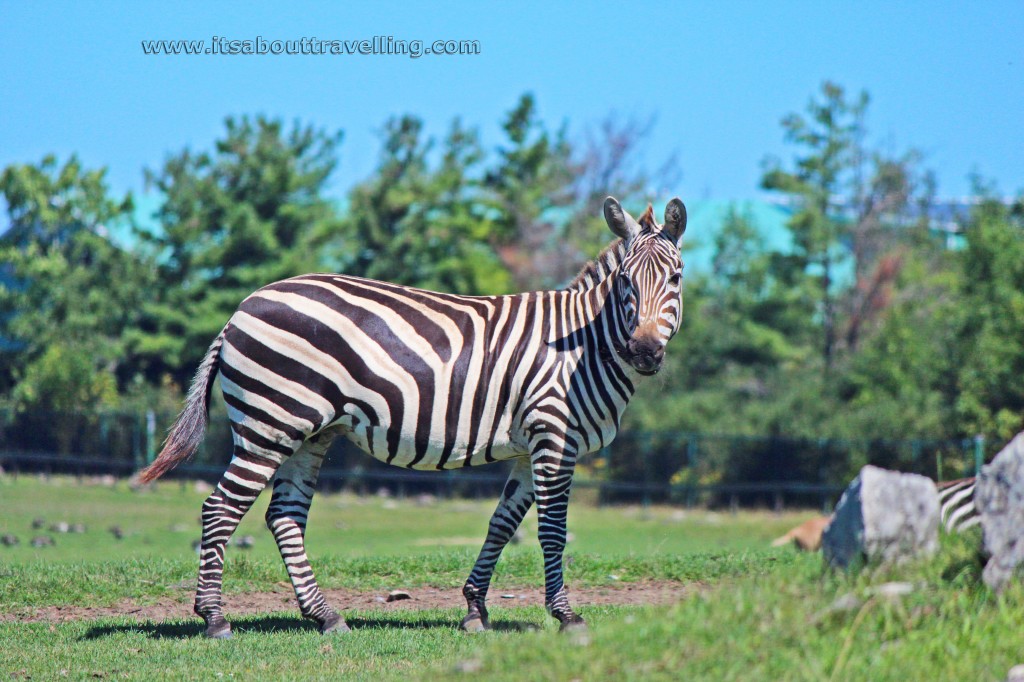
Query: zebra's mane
(609, 259)
(599, 268)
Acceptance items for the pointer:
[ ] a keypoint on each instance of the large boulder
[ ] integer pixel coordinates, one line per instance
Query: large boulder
(883, 517)
(999, 498)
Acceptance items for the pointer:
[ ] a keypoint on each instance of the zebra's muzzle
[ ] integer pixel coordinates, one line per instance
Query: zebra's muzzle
(645, 355)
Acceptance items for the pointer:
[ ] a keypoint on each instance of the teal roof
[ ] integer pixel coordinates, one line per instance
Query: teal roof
(705, 217)
(144, 209)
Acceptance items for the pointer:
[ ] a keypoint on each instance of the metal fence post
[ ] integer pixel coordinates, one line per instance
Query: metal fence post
(150, 436)
(646, 445)
(979, 453)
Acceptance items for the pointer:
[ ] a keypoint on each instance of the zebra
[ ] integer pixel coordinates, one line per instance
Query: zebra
(957, 511)
(429, 381)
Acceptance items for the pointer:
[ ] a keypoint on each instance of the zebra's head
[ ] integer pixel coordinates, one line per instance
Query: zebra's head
(648, 289)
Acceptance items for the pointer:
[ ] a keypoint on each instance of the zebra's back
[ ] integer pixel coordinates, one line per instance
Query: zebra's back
(415, 378)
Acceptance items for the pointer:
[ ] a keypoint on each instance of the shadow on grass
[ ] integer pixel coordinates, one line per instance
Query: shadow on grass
(273, 623)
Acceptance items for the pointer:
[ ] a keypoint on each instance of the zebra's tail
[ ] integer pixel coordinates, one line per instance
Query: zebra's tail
(187, 433)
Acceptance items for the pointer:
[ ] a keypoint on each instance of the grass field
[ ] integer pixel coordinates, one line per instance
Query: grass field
(759, 613)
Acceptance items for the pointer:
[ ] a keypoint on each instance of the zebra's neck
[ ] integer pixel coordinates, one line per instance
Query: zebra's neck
(593, 290)
(600, 269)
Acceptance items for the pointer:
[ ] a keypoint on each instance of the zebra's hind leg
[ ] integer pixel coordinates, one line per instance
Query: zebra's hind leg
(286, 517)
(515, 501)
(245, 478)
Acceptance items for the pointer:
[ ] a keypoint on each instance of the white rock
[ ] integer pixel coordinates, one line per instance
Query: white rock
(999, 498)
(884, 517)
(1016, 673)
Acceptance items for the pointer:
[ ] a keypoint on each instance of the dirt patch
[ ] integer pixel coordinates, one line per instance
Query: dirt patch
(254, 603)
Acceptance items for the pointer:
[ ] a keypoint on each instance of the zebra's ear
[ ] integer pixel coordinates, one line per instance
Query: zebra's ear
(675, 220)
(621, 223)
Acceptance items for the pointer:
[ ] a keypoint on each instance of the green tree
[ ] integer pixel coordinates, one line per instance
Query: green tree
(417, 223)
(902, 380)
(990, 358)
(69, 297)
(608, 161)
(247, 213)
(530, 188)
(829, 138)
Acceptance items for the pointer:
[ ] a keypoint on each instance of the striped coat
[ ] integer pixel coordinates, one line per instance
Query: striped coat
(430, 381)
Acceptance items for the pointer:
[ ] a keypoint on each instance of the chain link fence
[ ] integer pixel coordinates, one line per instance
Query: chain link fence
(639, 467)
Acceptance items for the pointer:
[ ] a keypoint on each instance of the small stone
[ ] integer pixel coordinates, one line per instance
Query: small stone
(1016, 673)
(847, 602)
(398, 595)
(893, 590)
(117, 532)
(612, 576)
(38, 523)
(470, 666)
(244, 542)
(8, 540)
(60, 527)
(77, 528)
(380, 599)
(842, 604)
(508, 596)
(42, 541)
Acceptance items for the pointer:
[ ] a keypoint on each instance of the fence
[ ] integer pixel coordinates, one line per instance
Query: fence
(639, 467)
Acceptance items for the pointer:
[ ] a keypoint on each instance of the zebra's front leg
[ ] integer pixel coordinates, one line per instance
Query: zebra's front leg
(515, 501)
(552, 479)
(286, 517)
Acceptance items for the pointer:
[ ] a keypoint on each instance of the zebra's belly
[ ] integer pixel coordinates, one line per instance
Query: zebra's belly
(433, 455)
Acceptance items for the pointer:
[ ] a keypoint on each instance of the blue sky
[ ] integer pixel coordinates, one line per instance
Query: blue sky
(944, 77)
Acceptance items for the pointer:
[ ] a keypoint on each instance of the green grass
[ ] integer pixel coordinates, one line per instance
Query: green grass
(795, 624)
(162, 524)
(364, 543)
(761, 614)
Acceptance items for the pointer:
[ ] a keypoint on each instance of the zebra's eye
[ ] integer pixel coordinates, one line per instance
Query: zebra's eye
(675, 279)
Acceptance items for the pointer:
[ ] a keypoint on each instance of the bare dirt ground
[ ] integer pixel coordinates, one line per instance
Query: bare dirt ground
(282, 599)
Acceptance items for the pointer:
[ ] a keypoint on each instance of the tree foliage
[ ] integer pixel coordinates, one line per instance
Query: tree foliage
(867, 327)
(422, 223)
(245, 214)
(68, 297)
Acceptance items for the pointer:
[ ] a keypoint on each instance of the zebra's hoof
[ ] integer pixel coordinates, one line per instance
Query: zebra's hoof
(575, 624)
(219, 630)
(474, 623)
(335, 625)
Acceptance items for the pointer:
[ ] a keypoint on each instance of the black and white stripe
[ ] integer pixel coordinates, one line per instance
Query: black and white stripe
(432, 381)
(957, 512)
